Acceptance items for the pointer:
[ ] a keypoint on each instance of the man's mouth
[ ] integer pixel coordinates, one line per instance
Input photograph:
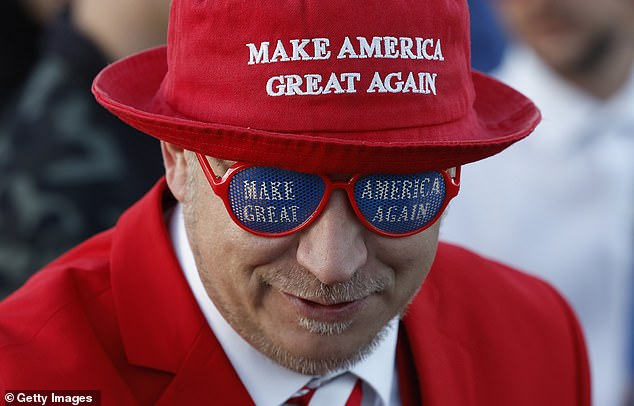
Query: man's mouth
(324, 309)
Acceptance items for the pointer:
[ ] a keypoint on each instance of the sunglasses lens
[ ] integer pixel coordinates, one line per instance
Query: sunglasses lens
(272, 200)
(400, 204)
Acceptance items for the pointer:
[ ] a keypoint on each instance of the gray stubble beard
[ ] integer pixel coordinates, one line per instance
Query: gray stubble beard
(317, 366)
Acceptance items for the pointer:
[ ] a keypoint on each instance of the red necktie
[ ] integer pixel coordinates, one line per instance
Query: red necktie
(357, 394)
(305, 394)
(303, 398)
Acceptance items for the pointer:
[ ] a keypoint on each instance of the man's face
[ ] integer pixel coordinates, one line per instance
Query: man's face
(315, 300)
(570, 35)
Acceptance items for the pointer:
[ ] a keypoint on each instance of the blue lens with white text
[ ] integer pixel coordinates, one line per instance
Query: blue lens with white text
(273, 200)
(400, 204)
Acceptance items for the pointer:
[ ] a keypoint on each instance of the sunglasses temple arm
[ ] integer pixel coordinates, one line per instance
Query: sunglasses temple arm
(209, 174)
(454, 174)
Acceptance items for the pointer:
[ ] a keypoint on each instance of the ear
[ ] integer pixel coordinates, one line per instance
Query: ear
(175, 169)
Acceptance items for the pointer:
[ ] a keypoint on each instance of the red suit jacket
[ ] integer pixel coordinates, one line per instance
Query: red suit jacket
(116, 315)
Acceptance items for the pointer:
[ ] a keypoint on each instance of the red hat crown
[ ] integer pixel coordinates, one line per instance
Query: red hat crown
(319, 66)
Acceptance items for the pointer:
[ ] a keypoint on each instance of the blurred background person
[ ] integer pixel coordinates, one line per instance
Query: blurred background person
(488, 39)
(69, 168)
(21, 24)
(564, 210)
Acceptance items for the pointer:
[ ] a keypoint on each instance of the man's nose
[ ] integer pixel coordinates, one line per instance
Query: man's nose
(333, 247)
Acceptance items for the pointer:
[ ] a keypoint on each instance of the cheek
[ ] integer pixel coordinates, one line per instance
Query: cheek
(225, 275)
(220, 239)
(226, 254)
(413, 251)
(410, 259)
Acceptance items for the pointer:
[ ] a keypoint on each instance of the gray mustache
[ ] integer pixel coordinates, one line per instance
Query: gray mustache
(303, 284)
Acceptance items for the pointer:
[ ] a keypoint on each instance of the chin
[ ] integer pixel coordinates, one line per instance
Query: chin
(318, 354)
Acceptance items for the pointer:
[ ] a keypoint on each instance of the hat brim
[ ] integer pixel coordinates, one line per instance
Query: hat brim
(500, 117)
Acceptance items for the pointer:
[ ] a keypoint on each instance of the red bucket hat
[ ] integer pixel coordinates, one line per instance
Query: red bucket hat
(319, 86)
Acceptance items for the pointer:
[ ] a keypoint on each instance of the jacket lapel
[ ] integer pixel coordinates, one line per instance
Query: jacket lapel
(156, 310)
(162, 326)
(443, 366)
(207, 374)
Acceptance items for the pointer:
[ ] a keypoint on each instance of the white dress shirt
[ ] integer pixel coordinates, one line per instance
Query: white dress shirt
(270, 384)
(560, 205)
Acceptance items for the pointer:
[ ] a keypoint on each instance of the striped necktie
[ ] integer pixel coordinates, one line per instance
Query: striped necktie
(304, 395)
(301, 397)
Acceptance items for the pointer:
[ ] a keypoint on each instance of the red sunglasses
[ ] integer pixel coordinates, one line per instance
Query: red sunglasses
(274, 202)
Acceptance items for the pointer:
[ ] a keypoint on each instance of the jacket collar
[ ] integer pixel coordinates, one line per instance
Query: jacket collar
(158, 315)
(444, 365)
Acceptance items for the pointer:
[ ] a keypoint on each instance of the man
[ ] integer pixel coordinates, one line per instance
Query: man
(292, 249)
(22, 23)
(566, 211)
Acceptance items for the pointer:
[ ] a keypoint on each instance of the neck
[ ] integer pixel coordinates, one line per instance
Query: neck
(604, 69)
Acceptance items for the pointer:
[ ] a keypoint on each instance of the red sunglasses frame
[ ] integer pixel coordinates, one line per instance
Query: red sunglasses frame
(220, 186)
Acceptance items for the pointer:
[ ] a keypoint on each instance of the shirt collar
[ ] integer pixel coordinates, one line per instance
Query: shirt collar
(267, 382)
